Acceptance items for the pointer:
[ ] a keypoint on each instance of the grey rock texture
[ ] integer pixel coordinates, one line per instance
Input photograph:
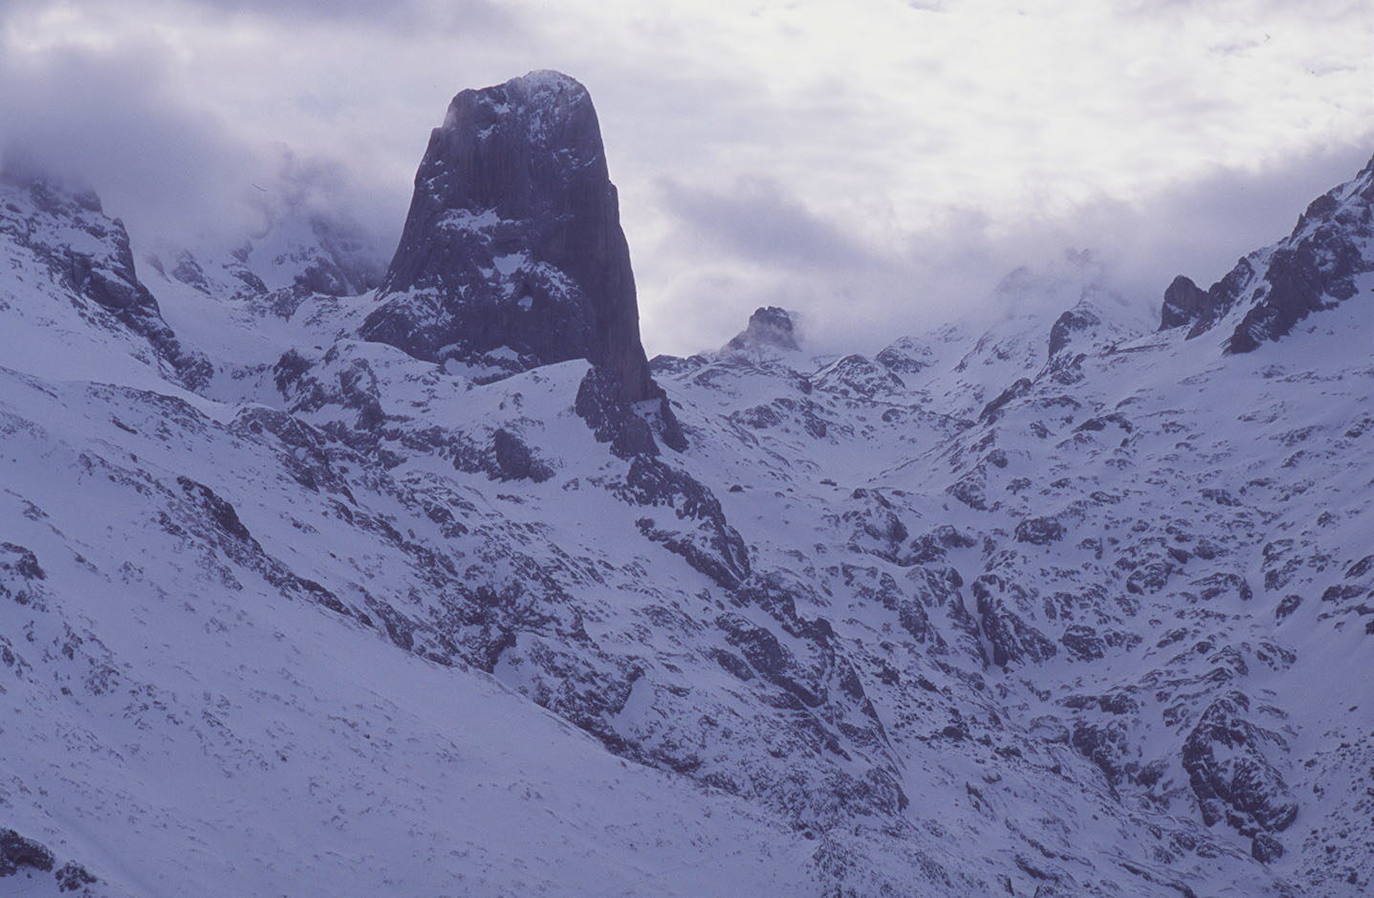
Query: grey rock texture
(1231, 774)
(1271, 290)
(1184, 303)
(768, 326)
(45, 217)
(613, 421)
(22, 860)
(17, 851)
(1076, 319)
(512, 254)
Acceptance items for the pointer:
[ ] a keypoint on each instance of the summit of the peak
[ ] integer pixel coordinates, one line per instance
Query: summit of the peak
(543, 80)
(513, 243)
(768, 326)
(526, 99)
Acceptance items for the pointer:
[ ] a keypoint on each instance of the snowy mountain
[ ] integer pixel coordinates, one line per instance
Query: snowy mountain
(512, 254)
(363, 584)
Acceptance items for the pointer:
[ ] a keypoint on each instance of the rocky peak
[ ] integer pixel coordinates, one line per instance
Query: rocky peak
(1076, 320)
(906, 355)
(512, 255)
(1184, 303)
(769, 326)
(1272, 289)
(59, 227)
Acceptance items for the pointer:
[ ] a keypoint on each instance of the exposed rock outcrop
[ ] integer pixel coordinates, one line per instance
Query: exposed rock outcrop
(24, 858)
(512, 254)
(1079, 318)
(1271, 290)
(66, 230)
(905, 355)
(769, 326)
(1225, 757)
(1184, 303)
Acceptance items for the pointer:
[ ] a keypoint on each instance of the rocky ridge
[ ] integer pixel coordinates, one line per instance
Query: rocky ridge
(1271, 290)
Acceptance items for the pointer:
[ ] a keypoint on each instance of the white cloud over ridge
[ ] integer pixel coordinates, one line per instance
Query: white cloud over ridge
(879, 165)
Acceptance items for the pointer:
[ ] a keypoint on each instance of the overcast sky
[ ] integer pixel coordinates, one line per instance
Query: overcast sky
(877, 164)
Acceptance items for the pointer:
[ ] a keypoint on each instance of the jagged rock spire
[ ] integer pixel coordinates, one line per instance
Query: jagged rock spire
(512, 254)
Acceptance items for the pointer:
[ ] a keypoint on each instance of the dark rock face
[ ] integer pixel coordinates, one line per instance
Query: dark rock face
(613, 421)
(1083, 643)
(1071, 322)
(1287, 606)
(1039, 531)
(1296, 288)
(905, 356)
(768, 326)
(1106, 745)
(700, 533)
(1314, 268)
(1265, 848)
(1007, 634)
(17, 851)
(993, 410)
(1230, 773)
(859, 376)
(101, 273)
(512, 253)
(1222, 585)
(20, 562)
(514, 459)
(877, 527)
(1184, 303)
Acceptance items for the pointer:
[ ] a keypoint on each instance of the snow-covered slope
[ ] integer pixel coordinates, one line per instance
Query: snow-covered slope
(1064, 607)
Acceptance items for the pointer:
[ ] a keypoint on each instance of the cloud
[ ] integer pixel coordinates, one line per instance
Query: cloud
(1202, 225)
(485, 18)
(176, 172)
(757, 221)
(773, 251)
(877, 166)
(106, 117)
